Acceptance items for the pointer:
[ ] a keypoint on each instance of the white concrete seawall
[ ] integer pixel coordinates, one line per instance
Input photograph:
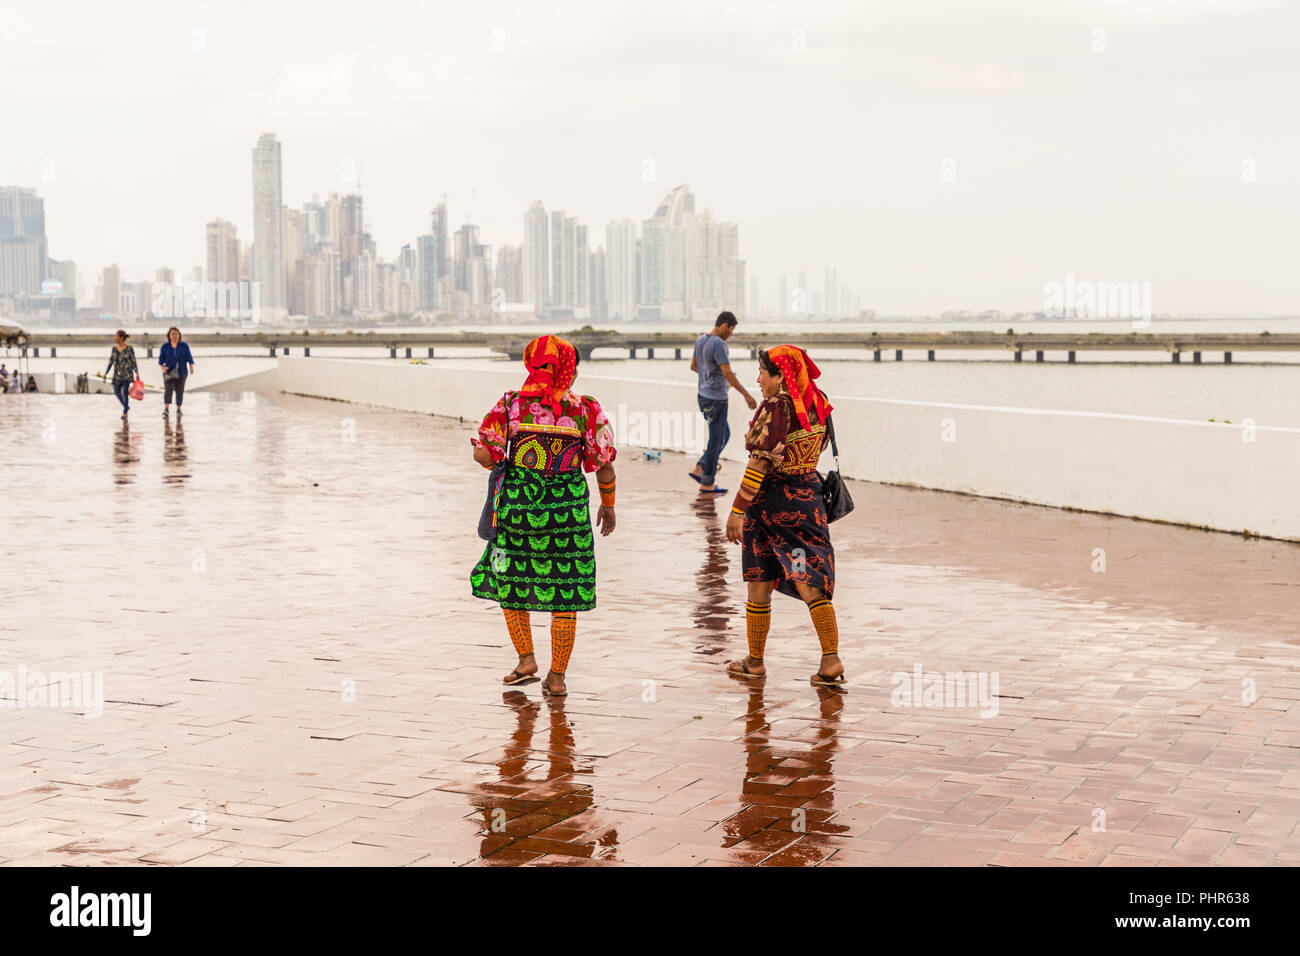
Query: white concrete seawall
(1229, 477)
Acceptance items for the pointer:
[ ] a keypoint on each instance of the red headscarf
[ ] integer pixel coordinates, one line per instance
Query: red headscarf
(798, 372)
(552, 365)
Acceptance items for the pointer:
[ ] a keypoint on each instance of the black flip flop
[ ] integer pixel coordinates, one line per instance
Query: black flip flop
(744, 670)
(825, 680)
(519, 678)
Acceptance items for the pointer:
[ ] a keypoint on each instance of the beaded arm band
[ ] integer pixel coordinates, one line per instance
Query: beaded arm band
(606, 492)
(749, 485)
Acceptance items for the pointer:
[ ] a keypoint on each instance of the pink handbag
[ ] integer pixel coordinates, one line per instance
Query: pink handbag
(137, 389)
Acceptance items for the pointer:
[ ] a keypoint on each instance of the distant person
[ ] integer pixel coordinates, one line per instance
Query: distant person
(31, 384)
(177, 362)
(121, 362)
(4, 379)
(712, 362)
(779, 514)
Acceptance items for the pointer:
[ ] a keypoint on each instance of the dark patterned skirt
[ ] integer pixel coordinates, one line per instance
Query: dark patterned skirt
(542, 558)
(786, 536)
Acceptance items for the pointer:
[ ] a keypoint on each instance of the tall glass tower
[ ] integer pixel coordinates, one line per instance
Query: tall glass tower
(268, 238)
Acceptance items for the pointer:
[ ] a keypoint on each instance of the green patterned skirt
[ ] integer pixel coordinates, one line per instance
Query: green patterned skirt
(542, 557)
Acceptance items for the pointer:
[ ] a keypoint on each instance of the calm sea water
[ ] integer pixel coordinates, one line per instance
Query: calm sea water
(1261, 386)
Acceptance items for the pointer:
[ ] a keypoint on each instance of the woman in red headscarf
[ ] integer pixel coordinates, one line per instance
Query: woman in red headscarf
(542, 558)
(779, 516)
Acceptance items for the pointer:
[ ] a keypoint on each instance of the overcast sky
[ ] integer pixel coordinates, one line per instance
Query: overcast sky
(954, 154)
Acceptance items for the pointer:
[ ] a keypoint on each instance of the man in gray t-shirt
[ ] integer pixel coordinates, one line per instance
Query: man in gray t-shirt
(712, 362)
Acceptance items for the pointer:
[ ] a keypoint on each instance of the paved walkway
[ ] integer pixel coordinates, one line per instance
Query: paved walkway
(293, 671)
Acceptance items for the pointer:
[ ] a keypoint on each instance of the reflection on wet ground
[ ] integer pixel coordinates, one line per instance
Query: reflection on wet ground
(275, 592)
(174, 454)
(715, 594)
(126, 454)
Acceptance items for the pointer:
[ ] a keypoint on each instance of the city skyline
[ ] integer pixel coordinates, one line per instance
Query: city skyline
(321, 261)
(565, 275)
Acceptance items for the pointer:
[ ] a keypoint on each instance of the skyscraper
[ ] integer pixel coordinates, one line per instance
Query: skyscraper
(472, 267)
(111, 290)
(509, 274)
(433, 261)
(651, 273)
(596, 296)
(690, 262)
(466, 244)
(64, 271)
(665, 260)
(429, 255)
(222, 252)
(294, 238)
(23, 248)
(564, 272)
(350, 241)
(408, 283)
(581, 265)
(366, 297)
(315, 224)
(536, 257)
(621, 270)
(440, 230)
(268, 265)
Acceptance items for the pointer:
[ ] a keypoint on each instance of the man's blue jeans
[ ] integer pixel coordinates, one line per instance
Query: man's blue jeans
(715, 413)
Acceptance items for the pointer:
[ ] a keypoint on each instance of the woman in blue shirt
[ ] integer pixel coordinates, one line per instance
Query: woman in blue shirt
(177, 362)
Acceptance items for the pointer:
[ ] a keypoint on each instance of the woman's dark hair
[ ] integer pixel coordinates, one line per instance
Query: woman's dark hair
(121, 334)
(765, 360)
(577, 358)
(171, 330)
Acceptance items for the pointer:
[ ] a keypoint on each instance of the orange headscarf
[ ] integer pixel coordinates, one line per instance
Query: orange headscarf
(552, 365)
(798, 371)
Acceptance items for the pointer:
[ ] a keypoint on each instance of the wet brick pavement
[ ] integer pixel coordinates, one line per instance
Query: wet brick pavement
(294, 671)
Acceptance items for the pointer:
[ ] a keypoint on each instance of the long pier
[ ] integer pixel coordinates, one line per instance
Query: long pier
(679, 344)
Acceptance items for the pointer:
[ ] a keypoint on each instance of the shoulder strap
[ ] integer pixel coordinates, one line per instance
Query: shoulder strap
(507, 402)
(830, 432)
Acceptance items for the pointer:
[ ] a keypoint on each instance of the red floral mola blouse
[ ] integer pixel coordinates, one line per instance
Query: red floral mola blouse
(580, 436)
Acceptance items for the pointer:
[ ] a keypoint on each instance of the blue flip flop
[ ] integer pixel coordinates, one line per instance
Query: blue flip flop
(713, 491)
(698, 480)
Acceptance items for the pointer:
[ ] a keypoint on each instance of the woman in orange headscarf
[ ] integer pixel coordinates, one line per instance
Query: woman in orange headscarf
(779, 515)
(542, 557)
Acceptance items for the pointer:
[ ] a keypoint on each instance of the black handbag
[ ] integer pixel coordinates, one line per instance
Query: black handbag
(487, 525)
(834, 492)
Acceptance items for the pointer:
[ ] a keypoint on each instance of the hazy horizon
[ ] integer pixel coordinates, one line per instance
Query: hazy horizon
(952, 156)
